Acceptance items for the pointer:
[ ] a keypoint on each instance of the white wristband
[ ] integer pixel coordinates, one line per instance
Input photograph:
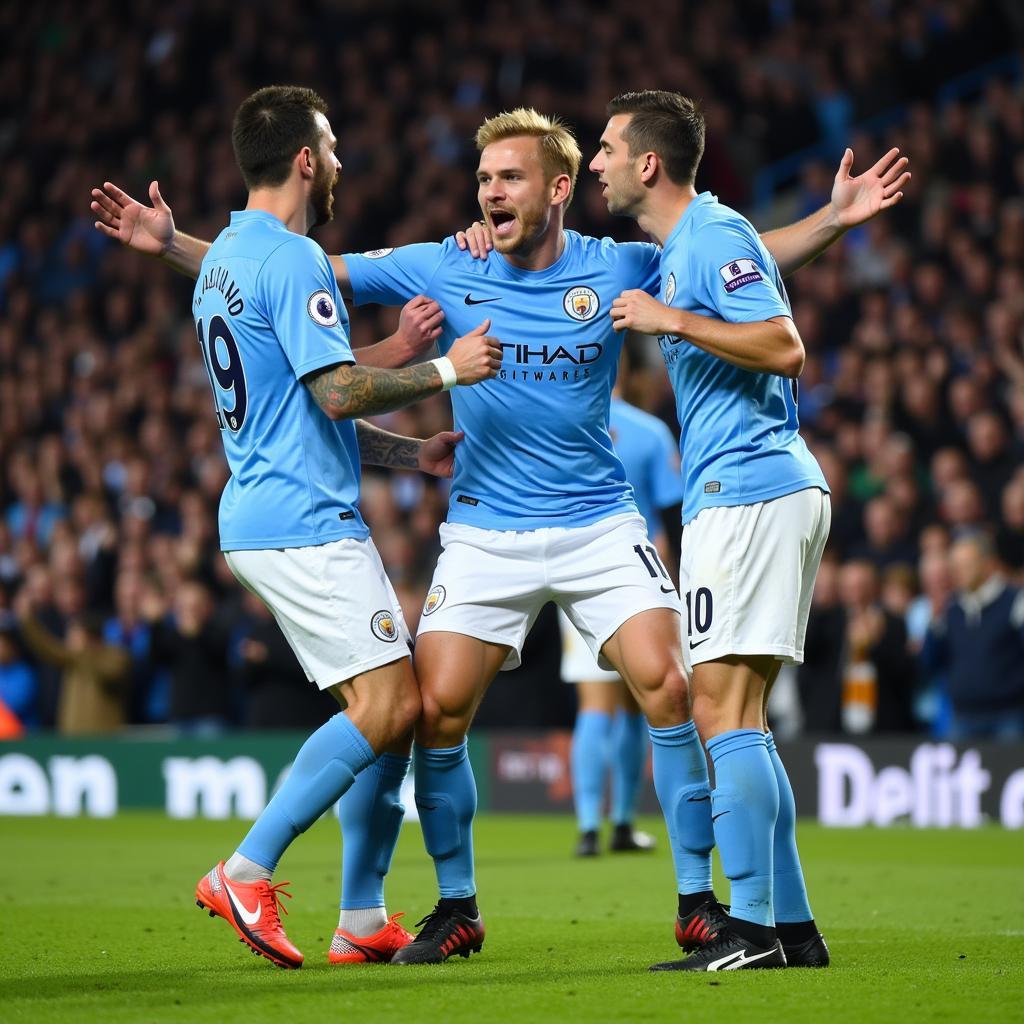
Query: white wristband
(445, 367)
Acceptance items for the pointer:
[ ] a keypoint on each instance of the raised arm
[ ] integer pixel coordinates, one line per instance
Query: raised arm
(146, 229)
(854, 201)
(151, 230)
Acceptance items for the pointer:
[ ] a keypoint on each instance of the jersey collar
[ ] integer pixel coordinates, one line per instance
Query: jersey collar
(242, 216)
(518, 274)
(701, 199)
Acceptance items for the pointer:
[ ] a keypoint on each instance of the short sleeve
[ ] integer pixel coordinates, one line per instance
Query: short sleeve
(730, 273)
(666, 480)
(299, 295)
(390, 277)
(639, 266)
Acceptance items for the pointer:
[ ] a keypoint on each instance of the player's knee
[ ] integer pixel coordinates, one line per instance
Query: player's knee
(407, 712)
(707, 715)
(441, 722)
(669, 702)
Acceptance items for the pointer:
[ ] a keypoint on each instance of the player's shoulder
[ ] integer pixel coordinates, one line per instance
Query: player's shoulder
(447, 254)
(294, 255)
(625, 264)
(610, 251)
(713, 219)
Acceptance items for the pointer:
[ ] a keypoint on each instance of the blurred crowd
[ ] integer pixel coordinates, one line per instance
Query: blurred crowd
(115, 606)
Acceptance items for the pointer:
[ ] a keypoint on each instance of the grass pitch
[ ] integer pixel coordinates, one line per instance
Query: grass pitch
(99, 924)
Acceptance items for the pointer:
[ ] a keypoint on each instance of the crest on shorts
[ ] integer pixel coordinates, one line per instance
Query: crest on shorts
(378, 254)
(384, 627)
(670, 289)
(581, 303)
(434, 599)
(321, 309)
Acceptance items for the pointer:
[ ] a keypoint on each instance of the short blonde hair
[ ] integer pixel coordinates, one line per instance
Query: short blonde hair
(559, 152)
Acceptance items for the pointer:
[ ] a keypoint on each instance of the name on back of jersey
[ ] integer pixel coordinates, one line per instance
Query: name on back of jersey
(218, 279)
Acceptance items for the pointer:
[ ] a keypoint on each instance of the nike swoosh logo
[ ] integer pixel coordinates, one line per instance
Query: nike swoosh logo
(470, 301)
(250, 917)
(715, 817)
(668, 590)
(699, 642)
(736, 960)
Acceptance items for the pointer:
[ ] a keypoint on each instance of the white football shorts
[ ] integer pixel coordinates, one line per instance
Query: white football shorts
(333, 602)
(578, 664)
(746, 575)
(491, 584)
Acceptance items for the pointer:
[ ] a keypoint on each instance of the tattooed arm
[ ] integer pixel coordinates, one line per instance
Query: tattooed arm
(345, 391)
(379, 447)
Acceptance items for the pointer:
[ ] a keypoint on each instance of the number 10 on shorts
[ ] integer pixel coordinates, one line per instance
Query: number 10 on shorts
(699, 609)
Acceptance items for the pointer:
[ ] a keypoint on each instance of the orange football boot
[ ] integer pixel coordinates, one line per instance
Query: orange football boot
(377, 948)
(251, 908)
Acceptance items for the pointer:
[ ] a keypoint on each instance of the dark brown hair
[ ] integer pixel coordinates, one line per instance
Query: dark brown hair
(270, 127)
(666, 123)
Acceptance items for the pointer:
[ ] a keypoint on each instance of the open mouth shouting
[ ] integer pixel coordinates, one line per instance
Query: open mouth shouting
(502, 223)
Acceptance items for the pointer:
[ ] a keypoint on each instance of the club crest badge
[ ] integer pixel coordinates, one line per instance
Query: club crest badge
(581, 303)
(384, 627)
(378, 254)
(321, 308)
(434, 600)
(670, 289)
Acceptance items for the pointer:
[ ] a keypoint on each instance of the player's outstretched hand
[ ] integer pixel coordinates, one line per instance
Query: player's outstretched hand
(148, 229)
(476, 356)
(635, 310)
(437, 453)
(419, 324)
(855, 200)
(476, 238)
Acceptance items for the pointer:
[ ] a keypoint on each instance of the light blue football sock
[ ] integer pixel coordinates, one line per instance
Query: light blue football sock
(370, 815)
(790, 892)
(628, 757)
(324, 768)
(681, 782)
(744, 808)
(589, 762)
(446, 800)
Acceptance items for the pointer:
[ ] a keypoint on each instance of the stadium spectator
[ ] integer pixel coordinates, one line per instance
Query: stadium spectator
(278, 694)
(931, 699)
(129, 630)
(978, 641)
(192, 645)
(888, 535)
(94, 675)
(857, 676)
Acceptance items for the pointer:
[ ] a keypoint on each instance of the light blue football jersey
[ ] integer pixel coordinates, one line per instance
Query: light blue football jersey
(651, 459)
(739, 442)
(537, 451)
(267, 311)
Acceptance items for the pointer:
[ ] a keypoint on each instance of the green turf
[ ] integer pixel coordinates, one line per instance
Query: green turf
(98, 923)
